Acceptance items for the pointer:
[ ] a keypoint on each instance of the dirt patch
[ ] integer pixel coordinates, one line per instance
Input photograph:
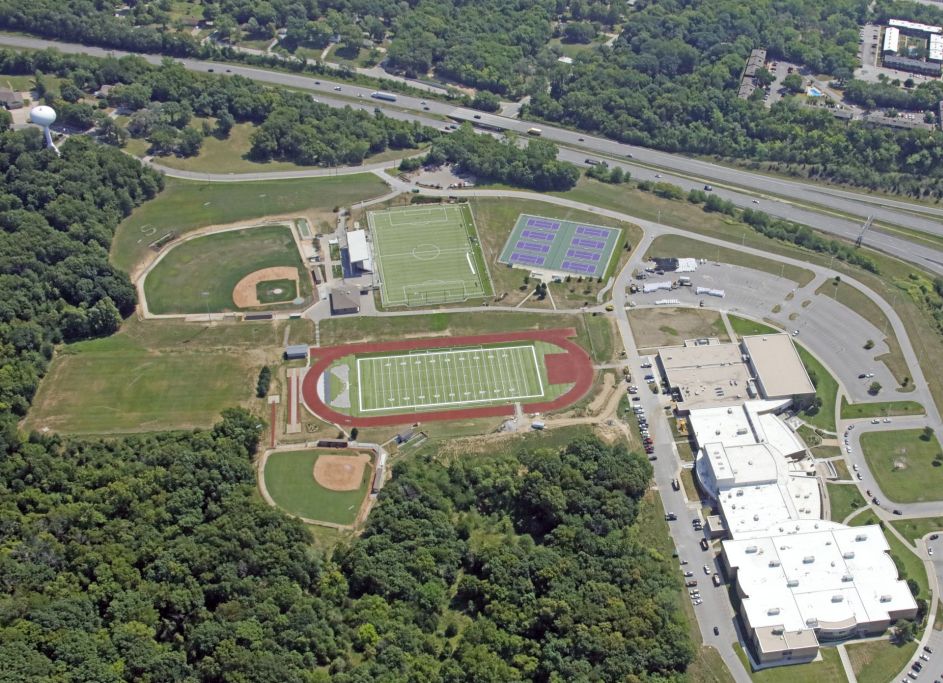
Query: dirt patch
(608, 383)
(340, 472)
(654, 327)
(244, 293)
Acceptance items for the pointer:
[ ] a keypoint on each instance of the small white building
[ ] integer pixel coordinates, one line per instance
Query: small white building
(358, 250)
(891, 41)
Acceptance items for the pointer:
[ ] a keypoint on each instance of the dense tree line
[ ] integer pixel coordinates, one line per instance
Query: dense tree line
(58, 217)
(162, 100)
(534, 165)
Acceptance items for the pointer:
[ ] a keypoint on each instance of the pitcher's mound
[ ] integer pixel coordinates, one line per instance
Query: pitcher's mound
(244, 294)
(340, 472)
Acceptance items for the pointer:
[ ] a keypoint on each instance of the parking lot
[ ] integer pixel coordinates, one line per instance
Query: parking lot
(832, 332)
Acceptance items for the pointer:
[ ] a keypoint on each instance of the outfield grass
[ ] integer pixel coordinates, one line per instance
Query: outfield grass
(852, 411)
(826, 388)
(495, 218)
(214, 264)
(844, 499)
(679, 245)
(918, 528)
(428, 254)
(185, 205)
(289, 478)
(745, 327)
(917, 480)
(829, 669)
(878, 661)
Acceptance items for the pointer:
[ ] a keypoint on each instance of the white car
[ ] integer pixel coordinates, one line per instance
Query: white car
(930, 551)
(875, 421)
(337, 88)
(887, 419)
(847, 449)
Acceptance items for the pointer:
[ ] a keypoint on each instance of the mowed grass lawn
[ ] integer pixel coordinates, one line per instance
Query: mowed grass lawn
(214, 264)
(186, 205)
(289, 478)
(878, 661)
(829, 669)
(746, 327)
(116, 385)
(902, 463)
(844, 499)
(826, 388)
(851, 411)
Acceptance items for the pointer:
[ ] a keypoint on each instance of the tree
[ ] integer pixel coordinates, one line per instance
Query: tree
(874, 388)
(189, 142)
(224, 124)
(764, 78)
(904, 632)
(927, 433)
(264, 381)
(579, 32)
(486, 101)
(354, 433)
(794, 83)
(869, 344)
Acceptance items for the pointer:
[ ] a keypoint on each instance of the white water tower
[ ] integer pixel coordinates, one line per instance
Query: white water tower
(44, 117)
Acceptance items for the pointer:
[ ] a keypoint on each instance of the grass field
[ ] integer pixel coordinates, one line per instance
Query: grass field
(913, 567)
(826, 388)
(156, 375)
(902, 464)
(289, 478)
(185, 205)
(214, 264)
(878, 661)
(432, 379)
(918, 528)
(745, 327)
(852, 411)
(428, 255)
(666, 326)
(844, 499)
(829, 669)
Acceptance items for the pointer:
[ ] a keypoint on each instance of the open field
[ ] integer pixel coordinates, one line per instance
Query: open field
(680, 246)
(912, 566)
(918, 528)
(852, 411)
(878, 661)
(214, 264)
(594, 333)
(856, 300)
(495, 218)
(289, 478)
(157, 375)
(665, 326)
(828, 669)
(826, 388)
(844, 499)
(902, 464)
(745, 327)
(428, 255)
(185, 205)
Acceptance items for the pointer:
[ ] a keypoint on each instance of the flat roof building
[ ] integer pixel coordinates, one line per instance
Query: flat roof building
(914, 65)
(296, 352)
(10, 99)
(705, 374)
(344, 302)
(779, 371)
(914, 27)
(358, 250)
(891, 41)
(935, 49)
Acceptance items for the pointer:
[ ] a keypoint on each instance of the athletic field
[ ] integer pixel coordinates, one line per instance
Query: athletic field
(428, 255)
(560, 246)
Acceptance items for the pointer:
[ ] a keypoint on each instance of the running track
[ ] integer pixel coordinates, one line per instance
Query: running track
(575, 367)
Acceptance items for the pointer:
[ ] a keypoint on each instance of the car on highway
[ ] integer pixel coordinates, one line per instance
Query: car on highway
(425, 108)
(476, 116)
(875, 422)
(658, 175)
(756, 201)
(897, 512)
(670, 517)
(708, 188)
(337, 88)
(886, 420)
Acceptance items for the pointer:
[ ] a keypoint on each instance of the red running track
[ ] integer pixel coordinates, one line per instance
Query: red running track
(572, 366)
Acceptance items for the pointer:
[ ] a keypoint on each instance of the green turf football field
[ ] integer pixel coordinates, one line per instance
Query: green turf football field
(425, 380)
(428, 255)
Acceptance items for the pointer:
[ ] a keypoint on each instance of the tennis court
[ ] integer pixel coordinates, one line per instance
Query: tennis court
(560, 246)
(431, 379)
(427, 255)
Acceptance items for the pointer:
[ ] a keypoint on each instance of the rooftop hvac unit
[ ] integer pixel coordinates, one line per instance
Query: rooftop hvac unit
(792, 583)
(847, 577)
(808, 559)
(778, 631)
(838, 598)
(861, 537)
(774, 563)
(741, 431)
(772, 611)
(812, 621)
(885, 598)
(756, 518)
(751, 549)
(849, 554)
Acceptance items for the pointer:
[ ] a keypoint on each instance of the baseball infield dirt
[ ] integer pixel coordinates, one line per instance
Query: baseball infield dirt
(244, 295)
(340, 472)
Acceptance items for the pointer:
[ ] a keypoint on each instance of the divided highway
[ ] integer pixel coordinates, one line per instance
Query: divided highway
(831, 210)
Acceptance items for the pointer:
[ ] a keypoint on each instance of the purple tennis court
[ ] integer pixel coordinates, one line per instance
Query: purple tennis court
(542, 223)
(583, 255)
(527, 259)
(591, 231)
(533, 234)
(589, 244)
(561, 247)
(533, 246)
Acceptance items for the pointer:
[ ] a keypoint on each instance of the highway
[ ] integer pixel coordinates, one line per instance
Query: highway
(832, 210)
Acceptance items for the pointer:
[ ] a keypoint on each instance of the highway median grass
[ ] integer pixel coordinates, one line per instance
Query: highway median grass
(902, 463)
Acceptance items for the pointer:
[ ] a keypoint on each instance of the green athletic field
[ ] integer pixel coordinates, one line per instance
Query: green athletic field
(441, 379)
(428, 255)
(289, 478)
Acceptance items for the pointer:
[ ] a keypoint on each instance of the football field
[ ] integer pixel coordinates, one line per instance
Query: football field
(428, 255)
(452, 377)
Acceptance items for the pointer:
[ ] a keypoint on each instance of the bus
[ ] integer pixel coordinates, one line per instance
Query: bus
(380, 95)
(534, 131)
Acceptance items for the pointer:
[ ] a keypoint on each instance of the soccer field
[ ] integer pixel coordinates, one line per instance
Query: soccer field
(452, 377)
(428, 255)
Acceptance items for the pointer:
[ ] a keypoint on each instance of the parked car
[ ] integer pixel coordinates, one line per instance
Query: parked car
(716, 631)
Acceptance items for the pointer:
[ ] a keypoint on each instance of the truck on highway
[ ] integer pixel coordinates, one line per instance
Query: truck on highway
(534, 131)
(380, 95)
